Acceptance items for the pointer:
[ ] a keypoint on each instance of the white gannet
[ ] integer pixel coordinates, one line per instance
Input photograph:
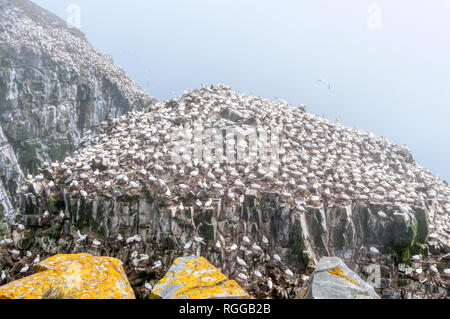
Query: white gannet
(95, 242)
(277, 258)
(148, 286)
(24, 269)
(81, 237)
(241, 262)
(157, 264)
(434, 269)
(143, 257)
(256, 247)
(199, 240)
(289, 273)
(242, 276)
(187, 245)
(257, 274)
(382, 214)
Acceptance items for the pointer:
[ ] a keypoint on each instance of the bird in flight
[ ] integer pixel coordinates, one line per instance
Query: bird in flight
(326, 82)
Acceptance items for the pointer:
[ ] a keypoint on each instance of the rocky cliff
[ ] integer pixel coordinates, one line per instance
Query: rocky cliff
(140, 185)
(54, 88)
(333, 191)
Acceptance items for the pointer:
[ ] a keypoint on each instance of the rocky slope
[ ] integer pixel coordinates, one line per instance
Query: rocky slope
(54, 88)
(334, 191)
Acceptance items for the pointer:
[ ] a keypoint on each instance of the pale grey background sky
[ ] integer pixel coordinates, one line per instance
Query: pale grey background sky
(393, 81)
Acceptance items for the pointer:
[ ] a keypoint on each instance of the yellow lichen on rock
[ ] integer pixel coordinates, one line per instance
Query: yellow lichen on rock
(80, 276)
(339, 272)
(196, 278)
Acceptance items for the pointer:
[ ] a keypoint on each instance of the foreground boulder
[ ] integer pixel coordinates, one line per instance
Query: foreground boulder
(332, 279)
(80, 276)
(195, 278)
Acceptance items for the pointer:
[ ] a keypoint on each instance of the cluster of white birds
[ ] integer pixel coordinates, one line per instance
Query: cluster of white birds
(95, 242)
(64, 46)
(320, 162)
(247, 247)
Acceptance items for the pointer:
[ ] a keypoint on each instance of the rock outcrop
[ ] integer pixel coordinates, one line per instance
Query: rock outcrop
(79, 276)
(54, 88)
(332, 279)
(195, 278)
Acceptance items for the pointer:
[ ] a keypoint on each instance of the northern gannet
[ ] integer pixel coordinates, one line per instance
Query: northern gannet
(242, 276)
(241, 262)
(24, 269)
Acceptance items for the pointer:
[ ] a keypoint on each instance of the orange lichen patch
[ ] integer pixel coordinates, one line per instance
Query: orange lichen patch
(80, 276)
(339, 272)
(196, 278)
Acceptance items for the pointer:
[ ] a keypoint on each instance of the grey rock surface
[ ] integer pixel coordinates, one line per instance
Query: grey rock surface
(332, 279)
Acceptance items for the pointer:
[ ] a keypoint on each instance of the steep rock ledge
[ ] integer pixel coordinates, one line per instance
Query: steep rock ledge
(54, 87)
(299, 238)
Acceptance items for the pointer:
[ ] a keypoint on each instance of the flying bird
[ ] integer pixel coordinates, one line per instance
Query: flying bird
(326, 82)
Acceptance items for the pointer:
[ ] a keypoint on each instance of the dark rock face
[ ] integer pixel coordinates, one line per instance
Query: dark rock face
(54, 87)
(300, 238)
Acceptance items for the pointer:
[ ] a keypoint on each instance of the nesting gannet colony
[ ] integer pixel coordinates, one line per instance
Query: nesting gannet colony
(45, 33)
(320, 162)
(91, 164)
(266, 217)
(54, 88)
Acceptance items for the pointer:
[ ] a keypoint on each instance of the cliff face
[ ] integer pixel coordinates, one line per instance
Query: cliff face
(54, 87)
(299, 238)
(336, 192)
